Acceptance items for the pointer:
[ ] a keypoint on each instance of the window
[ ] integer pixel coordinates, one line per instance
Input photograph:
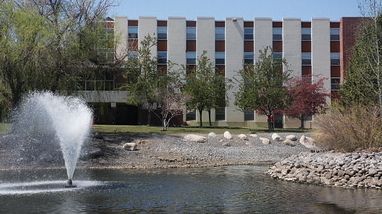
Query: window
(162, 57)
(191, 58)
(220, 113)
(306, 58)
(219, 33)
(334, 34)
(277, 34)
(248, 57)
(191, 33)
(249, 115)
(335, 59)
(191, 115)
(305, 34)
(277, 55)
(133, 55)
(219, 58)
(133, 32)
(162, 33)
(248, 33)
(335, 83)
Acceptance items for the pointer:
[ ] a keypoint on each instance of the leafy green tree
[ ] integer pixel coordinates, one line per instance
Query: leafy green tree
(206, 87)
(261, 86)
(21, 41)
(143, 75)
(363, 78)
(50, 45)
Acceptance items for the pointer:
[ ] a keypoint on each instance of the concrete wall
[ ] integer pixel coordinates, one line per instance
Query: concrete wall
(176, 40)
(120, 32)
(234, 54)
(205, 41)
(147, 26)
(262, 35)
(292, 44)
(321, 51)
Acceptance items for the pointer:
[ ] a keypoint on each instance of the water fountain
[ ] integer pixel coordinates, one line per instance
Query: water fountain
(53, 118)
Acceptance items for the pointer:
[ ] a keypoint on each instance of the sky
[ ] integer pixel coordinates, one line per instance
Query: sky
(248, 9)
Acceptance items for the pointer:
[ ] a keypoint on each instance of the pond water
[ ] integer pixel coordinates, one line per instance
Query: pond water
(231, 189)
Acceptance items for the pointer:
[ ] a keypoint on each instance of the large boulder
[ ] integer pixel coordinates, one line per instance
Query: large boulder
(276, 137)
(243, 137)
(195, 138)
(308, 142)
(212, 135)
(227, 135)
(291, 137)
(130, 146)
(253, 135)
(265, 140)
(289, 142)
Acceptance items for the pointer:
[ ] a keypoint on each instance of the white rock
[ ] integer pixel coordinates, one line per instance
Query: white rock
(276, 137)
(195, 138)
(243, 137)
(289, 142)
(130, 146)
(265, 140)
(308, 142)
(253, 135)
(212, 135)
(291, 137)
(227, 135)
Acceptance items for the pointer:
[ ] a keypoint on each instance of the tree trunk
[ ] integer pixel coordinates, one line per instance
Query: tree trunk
(209, 117)
(200, 118)
(302, 119)
(269, 123)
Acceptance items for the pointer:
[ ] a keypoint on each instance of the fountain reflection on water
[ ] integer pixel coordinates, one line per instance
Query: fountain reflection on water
(50, 118)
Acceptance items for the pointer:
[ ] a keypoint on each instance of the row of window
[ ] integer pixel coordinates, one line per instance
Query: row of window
(306, 58)
(220, 33)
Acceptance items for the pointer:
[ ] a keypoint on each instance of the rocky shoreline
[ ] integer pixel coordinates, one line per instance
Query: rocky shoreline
(348, 170)
(294, 160)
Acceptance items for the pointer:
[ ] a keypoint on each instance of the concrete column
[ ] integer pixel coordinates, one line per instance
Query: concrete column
(262, 35)
(292, 44)
(205, 41)
(176, 40)
(205, 37)
(147, 26)
(321, 51)
(234, 54)
(120, 32)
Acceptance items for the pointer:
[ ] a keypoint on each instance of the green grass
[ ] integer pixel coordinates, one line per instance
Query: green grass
(146, 130)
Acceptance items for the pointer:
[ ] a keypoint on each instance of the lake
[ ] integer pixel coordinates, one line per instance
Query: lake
(230, 189)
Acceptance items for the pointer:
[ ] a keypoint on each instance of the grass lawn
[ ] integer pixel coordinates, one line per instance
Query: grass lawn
(144, 130)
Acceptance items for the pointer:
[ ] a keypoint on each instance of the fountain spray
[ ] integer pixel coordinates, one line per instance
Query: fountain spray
(69, 117)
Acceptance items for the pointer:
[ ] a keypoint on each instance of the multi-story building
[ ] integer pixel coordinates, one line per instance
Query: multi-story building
(317, 47)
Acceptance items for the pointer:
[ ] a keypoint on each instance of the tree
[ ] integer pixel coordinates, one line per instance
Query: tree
(49, 45)
(261, 86)
(20, 43)
(363, 78)
(307, 97)
(170, 97)
(206, 87)
(143, 76)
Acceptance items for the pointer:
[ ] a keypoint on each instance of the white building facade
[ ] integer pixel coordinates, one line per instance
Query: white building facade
(310, 48)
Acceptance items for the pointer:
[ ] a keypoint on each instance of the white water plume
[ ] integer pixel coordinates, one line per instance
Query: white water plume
(68, 117)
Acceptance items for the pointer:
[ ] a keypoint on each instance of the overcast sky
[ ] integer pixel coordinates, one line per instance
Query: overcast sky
(248, 9)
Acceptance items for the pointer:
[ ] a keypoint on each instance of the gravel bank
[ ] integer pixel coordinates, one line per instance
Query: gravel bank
(164, 151)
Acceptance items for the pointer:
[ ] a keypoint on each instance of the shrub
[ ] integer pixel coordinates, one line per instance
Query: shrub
(349, 129)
